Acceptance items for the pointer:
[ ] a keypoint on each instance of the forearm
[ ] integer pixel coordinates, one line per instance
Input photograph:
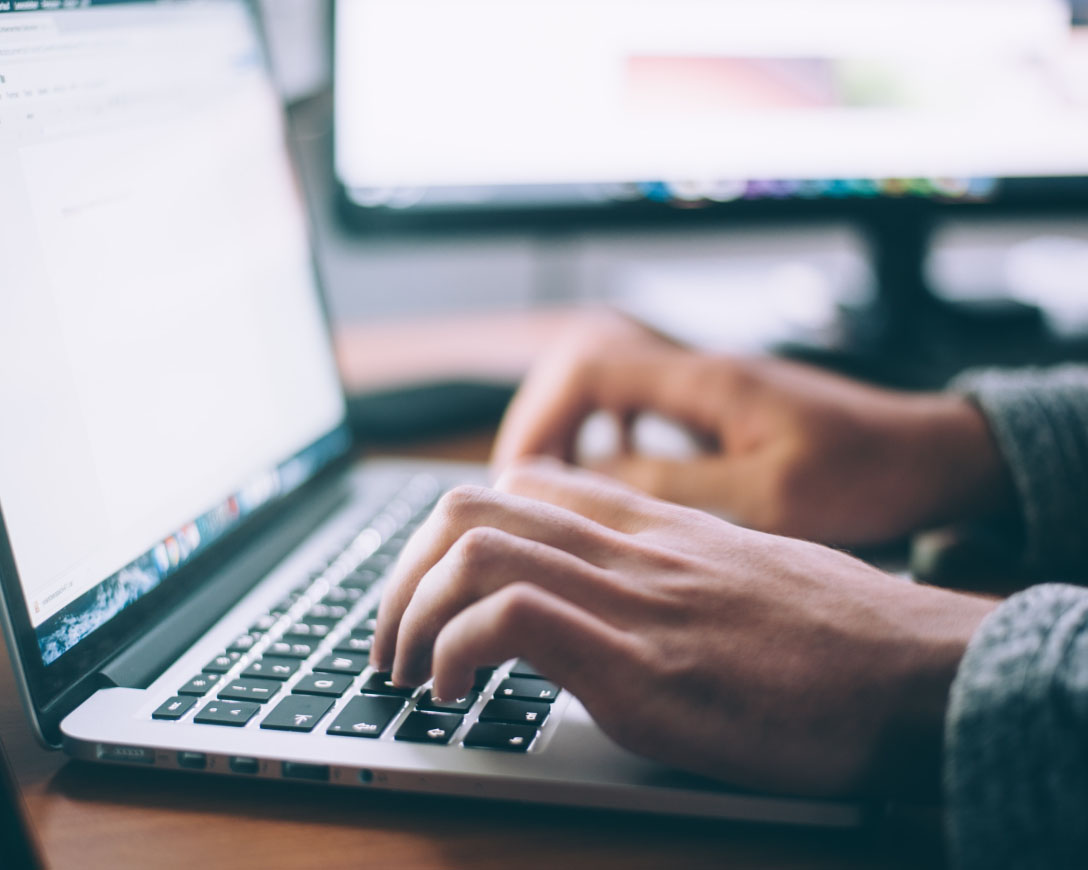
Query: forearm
(1016, 737)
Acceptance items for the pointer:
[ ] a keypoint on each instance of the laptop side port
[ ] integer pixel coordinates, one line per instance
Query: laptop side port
(192, 760)
(298, 770)
(127, 754)
(241, 764)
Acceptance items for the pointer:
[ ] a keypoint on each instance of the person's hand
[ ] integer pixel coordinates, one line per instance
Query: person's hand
(763, 661)
(790, 449)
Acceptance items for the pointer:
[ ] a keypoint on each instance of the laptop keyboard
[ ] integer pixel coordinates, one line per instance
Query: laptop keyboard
(304, 666)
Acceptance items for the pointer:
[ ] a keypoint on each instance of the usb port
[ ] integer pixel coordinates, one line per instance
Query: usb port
(297, 770)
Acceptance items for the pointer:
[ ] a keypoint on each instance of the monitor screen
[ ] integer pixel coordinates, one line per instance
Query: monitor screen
(487, 103)
(165, 369)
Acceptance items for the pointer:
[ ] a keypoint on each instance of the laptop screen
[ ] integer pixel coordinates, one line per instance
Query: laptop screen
(165, 368)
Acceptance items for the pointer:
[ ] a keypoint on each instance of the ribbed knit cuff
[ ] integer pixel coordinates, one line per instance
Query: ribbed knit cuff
(1016, 737)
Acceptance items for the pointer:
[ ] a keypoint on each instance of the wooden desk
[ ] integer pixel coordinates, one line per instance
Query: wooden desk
(89, 816)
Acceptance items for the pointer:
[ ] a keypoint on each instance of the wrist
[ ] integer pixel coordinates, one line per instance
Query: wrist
(938, 629)
(958, 453)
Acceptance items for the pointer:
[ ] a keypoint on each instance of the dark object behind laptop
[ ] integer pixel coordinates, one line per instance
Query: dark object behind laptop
(18, 848)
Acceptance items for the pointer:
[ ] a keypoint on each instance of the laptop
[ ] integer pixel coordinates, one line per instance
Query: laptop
(191, 555)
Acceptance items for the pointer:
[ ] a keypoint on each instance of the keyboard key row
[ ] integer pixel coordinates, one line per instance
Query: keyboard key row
(504, 724)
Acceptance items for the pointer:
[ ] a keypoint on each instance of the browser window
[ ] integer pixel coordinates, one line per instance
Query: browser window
(166, 364)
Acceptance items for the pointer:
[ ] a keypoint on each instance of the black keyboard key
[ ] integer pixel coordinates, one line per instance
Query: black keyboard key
(235, 713)
(429, 727)
(522, 668)
(199, 685)
(342, 595)
(222, 663)
(307, 630)
(483, 677)
(173, 708)
(272, 668)
(243, 643)
(527, 689)
(293, 649)
(330, 613)
(291, 599)
(361, 645)
(380, 684)
(455, 705)
(361, 579)
(498, 735)
(381, 561)
(343, 663)
(264, 623)
(515, 712)
(333, 685)
(366, 716)
(249, 690)
(297, 713)
(367, 626)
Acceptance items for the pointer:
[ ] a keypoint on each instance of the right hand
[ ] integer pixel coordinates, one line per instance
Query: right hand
(763, 661)
(792, 450)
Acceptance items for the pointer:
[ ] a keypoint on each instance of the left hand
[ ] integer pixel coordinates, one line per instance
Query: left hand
(764, 661)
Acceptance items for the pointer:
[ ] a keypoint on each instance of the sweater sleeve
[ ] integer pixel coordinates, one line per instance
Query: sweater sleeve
(1016, 737)
(1039, 419)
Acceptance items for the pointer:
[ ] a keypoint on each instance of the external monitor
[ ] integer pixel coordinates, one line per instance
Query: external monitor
(594, 108)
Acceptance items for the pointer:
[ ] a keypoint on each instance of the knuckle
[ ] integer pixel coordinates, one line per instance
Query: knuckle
(462, 503)
(479, 548)
(515, 606)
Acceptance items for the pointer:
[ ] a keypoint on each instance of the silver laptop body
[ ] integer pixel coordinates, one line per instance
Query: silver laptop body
(183, 528)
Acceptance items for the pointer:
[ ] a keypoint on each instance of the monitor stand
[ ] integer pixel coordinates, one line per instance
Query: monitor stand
(911, 337)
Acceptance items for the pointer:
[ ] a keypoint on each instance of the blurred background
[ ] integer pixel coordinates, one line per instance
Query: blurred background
(895, 189)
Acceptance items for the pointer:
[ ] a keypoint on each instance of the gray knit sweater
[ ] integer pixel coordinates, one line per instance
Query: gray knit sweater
(1016, 733)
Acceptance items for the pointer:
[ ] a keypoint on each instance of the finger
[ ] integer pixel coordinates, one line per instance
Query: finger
(479, 564)
(611, 503)
(546, 413)
(471, 507)
(566, 643)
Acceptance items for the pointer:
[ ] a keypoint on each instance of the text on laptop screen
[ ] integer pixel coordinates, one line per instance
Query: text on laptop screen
(165, 364)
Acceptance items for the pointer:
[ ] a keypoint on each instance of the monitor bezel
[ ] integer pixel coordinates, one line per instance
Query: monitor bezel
(51, 691)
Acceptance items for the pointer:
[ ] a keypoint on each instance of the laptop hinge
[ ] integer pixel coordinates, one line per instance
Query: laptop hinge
(138, 665)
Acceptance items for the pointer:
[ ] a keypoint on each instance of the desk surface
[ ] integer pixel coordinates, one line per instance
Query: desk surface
(92, 816)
